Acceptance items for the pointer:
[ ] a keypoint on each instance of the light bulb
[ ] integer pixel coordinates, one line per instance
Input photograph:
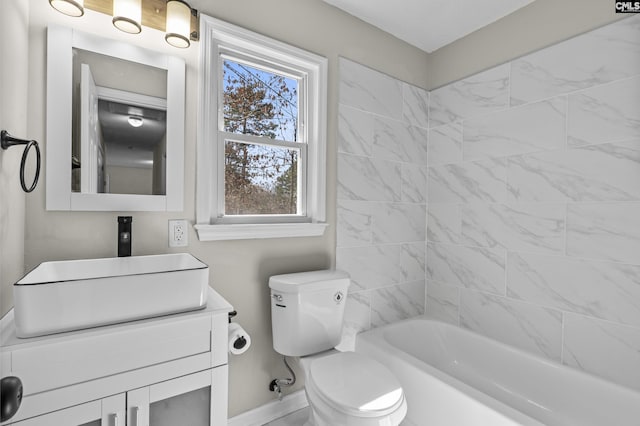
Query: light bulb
(178, 27)
(127, 15)
(68, 7)
(135, 121)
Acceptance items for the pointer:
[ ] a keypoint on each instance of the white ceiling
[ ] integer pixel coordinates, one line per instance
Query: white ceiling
(429, 24)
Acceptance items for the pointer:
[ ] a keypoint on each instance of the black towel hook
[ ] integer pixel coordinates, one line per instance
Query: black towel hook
(9, 141)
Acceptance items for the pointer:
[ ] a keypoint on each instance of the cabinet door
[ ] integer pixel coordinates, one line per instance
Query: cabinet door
(113, 410)
(138, 407)
(184, 400)
(106, 412)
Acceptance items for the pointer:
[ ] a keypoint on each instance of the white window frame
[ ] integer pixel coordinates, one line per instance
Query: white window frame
(219, 38)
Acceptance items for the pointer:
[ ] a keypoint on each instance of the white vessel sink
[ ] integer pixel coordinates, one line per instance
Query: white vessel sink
(70, 295)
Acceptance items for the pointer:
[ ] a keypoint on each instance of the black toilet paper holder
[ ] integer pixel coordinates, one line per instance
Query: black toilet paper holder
(240, 341)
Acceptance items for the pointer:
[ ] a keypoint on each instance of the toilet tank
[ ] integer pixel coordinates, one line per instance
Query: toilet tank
(307, 310)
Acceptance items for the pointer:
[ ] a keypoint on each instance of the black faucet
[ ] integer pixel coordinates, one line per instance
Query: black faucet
(124, 236)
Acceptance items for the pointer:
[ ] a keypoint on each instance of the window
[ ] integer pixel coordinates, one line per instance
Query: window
(263, 148)
(261, 137)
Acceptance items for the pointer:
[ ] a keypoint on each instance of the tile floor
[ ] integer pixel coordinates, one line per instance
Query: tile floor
(297, 418)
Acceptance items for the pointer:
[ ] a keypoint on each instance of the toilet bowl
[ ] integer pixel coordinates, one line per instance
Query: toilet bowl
(343, 388)
(350, 389)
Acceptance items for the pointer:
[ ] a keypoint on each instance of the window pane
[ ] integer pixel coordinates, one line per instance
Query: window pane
(260, 179)
(259, 103)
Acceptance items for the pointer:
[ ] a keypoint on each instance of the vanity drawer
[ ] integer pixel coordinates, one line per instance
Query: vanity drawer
(89, 357)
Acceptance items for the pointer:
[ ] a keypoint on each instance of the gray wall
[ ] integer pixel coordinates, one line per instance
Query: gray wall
(130, 180)
(534, 202)
(14, 43)
(239, 269)
(540, 24)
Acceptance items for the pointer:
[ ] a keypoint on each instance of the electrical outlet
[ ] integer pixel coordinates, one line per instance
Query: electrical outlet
(178, 233)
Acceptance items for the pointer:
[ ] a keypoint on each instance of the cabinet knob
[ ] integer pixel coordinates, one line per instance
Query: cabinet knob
(10, 397)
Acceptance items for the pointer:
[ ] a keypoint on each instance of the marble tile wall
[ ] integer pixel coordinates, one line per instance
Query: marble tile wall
(531, 170)
(533, 233)
(382, 196)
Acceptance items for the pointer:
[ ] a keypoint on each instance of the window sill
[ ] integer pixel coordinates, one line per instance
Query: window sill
(259, 231)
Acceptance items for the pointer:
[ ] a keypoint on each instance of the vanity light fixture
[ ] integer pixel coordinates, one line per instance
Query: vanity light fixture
(173, 17)
(178, 26)
(127, 15)
(135, 121)
(68, 7)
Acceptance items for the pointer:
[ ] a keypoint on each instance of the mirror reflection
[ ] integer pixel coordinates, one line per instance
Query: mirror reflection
(119, 126)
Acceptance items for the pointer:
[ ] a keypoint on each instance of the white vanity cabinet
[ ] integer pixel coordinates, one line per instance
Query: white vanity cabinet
(106, 412)
(155, 372)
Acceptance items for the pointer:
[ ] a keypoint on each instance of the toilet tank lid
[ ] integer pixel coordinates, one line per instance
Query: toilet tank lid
(308, 281)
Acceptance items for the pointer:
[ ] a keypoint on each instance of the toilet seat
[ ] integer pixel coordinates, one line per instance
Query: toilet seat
(355, 385)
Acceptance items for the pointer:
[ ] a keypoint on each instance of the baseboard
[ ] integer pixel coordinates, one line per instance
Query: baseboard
(270, 411)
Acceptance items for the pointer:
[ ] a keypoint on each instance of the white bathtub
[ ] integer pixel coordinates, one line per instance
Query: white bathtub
(454, 377)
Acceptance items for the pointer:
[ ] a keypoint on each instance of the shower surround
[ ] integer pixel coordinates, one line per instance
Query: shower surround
(532, 199)
(382, 193)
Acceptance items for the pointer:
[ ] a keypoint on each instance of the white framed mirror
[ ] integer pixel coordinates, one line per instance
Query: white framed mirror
(115, 125)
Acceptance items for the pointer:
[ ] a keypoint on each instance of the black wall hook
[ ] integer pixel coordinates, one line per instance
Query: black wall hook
(10, 397)
(7, 141)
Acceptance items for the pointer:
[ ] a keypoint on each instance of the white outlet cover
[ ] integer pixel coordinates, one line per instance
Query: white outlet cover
(178, 233)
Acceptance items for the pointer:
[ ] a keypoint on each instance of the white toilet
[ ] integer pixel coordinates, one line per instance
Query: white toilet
(343, 388)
